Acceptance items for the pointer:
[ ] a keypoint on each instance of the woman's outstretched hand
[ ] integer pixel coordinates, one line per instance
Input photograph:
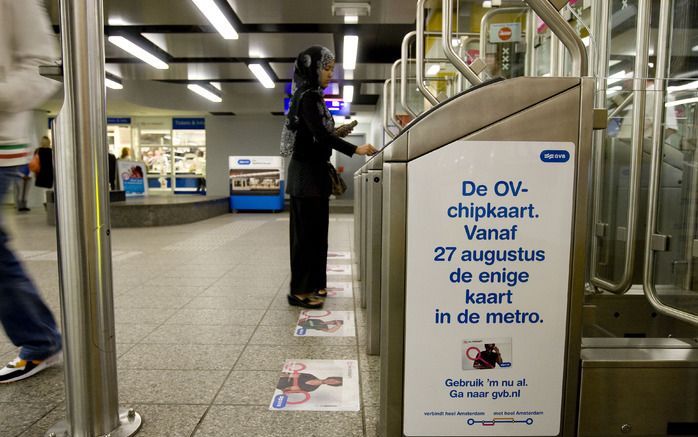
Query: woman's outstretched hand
(366, 149)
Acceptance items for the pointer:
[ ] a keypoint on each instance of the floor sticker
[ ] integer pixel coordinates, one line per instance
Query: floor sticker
(325, 323)
(339, 269)
(333, 254)
(317, 385)
(339, 289)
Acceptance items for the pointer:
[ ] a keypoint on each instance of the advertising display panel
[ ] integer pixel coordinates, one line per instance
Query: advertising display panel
(487, 285)
(256, 183)
(132, 176)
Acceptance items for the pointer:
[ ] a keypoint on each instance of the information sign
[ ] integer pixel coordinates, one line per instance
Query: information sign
(505, 32)
(487, 288)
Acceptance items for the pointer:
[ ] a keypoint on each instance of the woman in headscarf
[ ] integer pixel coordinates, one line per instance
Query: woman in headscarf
(309, 135)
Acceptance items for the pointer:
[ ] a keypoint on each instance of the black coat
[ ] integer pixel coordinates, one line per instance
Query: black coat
(44, 178)
(307, 172)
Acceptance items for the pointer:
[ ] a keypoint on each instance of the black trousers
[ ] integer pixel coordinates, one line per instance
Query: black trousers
(310, 219)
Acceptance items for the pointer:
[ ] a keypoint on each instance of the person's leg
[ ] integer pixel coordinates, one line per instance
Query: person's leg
(25, 317)
(321, 221)
(25, 184)
(300, 234)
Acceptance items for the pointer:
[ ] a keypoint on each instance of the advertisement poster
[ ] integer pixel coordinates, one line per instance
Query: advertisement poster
(340, 289)
(317, 385)
(325, 323)
(255, 175)
(487, 288)
(132, 178)
(338, 269)
(332, 254)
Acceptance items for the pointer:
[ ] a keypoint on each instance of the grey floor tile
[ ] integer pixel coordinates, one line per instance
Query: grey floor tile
(169, 386)
(46, 386)
(362, 335)
(283, 335)
(216, 317)
(371, 420)
(180, 357)
(169, 420)
(258, 421)
(167, 291)
(150, 301)
(370, 387)
(287, 317)
(7, 347)
(249, 387)
(369, 363)
(273, 357)
(142, 315)
(133, 332)
(260, 289)
(187, 281)
(236, 301)
(122, 348)
(18, 417)
(201, 334)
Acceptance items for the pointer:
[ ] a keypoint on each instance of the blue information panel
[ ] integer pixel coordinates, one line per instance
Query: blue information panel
(336, 106)
(188, 123)
(118, 120)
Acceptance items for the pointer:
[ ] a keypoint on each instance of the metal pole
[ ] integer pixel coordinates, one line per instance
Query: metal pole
(655, 241)
(426, 92)
(405, 52)
(639, 99)
(92, 407)
(447, 43)
(600, 29)
(530, 43)
(554, 54)
(386, 106)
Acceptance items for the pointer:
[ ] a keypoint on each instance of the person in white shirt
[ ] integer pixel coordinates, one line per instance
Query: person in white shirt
(26, 41)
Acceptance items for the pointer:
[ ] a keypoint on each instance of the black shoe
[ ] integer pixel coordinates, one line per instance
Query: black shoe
(304, 302)
(24, 210)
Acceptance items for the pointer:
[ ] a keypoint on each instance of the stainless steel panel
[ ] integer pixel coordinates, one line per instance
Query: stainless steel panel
(364, 232)
(376, 163)
(640, 358)
(642, 401)
(639, 343)
(490, 103)
(393, 298)
(372, 284)
(357, 223)
(396, 150)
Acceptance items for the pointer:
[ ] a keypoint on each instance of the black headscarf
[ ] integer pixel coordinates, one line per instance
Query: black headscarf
(306, 78)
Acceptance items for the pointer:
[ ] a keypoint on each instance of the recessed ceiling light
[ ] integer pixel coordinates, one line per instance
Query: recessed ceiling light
(261, 73)
(682, 102)
(203, 92)
(138, 51)
(348, 94)
(215, 16)
(351, 19)
(351, 48)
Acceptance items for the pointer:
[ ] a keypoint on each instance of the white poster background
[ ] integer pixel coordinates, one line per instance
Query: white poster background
(340, 289)
(327, 324)
(433, 351)
(333, 254)
(338, 269)
(325, 397)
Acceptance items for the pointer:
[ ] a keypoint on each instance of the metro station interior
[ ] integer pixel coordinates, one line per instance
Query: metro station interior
(519, 258)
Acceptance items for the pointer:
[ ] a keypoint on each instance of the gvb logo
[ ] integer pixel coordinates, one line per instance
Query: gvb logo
(244, 162)
(280, 401)
(554, 156)
(301, 331)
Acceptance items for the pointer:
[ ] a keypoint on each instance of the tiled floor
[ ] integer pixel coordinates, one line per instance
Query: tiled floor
(202, 331)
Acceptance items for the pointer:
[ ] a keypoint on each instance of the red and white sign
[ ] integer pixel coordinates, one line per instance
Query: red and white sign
(505, 32)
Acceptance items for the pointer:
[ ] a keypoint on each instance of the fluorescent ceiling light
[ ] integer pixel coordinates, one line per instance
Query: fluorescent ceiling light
(203, 92)
(613, 62)
(681, 102)
(138, 52)
(613, 90)
(617, 77)
(487, 4)
(348, 94)
(694, 49)
(262, 75)
(433, 70)
(217, 85)
(351, 49)
(214, 14)
(351, 19)
(686, 87)
(586, 41)
(113, 84)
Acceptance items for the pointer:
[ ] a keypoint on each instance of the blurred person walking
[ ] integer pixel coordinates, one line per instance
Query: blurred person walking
(308, 136)
(26, 41)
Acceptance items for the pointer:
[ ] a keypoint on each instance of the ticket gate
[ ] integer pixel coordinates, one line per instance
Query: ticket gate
(374, 232)
(357, 223)
(363, 233)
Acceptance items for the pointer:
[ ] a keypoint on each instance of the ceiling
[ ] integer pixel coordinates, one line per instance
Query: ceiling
(274, 31)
